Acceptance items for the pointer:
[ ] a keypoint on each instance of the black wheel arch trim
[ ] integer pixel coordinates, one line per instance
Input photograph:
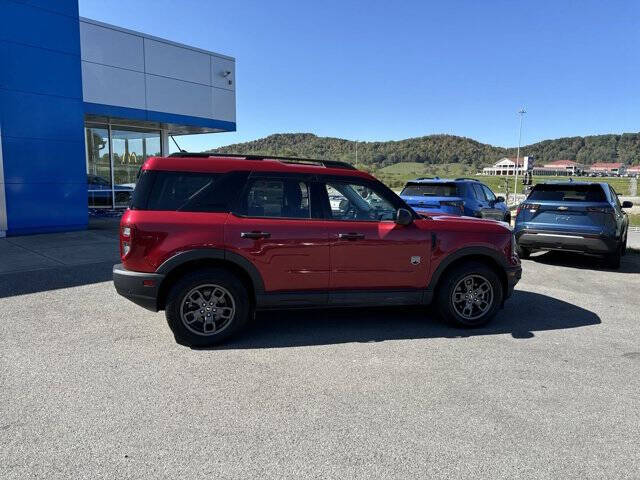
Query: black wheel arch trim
(214, 254)
(495, 255)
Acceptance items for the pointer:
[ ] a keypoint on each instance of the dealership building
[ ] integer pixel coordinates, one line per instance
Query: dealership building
(83, 104)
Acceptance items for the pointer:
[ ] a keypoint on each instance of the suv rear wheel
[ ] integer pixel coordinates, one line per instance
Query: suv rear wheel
(470, 295)
(613, 260)
(207, 306)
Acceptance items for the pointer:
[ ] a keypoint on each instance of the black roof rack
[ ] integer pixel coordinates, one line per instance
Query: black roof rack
(427, 178)
(296, 160)
(467, 178)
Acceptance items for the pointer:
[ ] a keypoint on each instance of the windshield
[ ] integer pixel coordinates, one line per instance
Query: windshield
(430, 190)
(568, 193)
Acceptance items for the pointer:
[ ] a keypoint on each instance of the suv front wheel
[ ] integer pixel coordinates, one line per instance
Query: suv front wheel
(206, 307)
(470, 295)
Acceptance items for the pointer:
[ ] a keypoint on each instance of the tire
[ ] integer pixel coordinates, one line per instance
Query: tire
(226, 307)
(612, 260)
(507, 218)
(454, 283)
(523, 252)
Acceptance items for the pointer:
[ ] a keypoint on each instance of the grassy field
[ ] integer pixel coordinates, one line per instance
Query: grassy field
(398, 174)
(634, 219)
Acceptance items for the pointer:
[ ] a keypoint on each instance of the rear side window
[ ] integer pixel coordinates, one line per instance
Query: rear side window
(568, 193)
(187, 191)
(431, 190)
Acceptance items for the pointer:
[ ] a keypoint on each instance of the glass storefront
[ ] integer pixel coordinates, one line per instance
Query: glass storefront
(114, 157)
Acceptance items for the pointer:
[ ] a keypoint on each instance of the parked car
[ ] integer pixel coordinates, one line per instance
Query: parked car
(462, 196)
(212, 238)
(100, 192)
(581, 217)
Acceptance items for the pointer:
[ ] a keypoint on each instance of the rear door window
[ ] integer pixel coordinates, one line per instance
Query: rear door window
(480, 196)
(488, 193)
(568, 193)
(431, 190)
(277, 198)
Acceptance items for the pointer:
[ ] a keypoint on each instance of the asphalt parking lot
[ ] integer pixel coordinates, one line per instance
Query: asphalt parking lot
(92, 386)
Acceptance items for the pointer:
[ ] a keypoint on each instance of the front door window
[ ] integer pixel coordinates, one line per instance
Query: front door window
(358, 202)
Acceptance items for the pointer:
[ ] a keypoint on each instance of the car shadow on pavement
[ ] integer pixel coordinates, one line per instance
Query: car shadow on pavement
(524, 314)
(53, 278)
(630, 262)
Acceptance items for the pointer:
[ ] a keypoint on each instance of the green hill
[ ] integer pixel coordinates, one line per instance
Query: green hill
(435, 152)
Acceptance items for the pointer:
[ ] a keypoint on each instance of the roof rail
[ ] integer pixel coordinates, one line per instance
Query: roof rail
(296, 160)
(467, 178)
(428, 178)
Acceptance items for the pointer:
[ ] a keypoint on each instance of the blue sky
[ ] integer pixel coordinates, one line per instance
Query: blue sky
(380, 70)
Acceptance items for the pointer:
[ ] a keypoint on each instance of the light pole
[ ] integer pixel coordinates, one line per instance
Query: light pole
(521, 112)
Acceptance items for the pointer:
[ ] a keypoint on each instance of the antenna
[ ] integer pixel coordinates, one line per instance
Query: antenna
(174, 141)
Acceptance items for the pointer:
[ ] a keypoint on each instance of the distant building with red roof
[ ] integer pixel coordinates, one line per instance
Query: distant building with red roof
(568, 167)
(616, 168)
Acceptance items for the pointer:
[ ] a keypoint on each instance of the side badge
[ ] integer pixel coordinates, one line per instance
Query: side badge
(415, 260)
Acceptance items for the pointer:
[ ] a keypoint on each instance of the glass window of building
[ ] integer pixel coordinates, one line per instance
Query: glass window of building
(130, 150)
(111, 176)
(98, 168)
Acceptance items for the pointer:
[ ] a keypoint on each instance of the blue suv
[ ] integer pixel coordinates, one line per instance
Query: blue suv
(571, 216)
(462, 196)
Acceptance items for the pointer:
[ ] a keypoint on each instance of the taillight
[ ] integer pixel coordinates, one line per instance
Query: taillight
(518, 210)
(126, 233)
(600, 209)
(532, 207)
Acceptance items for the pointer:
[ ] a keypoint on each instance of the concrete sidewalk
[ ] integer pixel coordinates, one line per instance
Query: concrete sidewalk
(35, 252)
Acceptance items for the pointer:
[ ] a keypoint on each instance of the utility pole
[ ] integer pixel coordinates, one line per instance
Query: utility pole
(521, 112)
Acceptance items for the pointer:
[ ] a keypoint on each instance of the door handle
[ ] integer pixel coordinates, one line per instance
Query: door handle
(255, 235)
(351, 236)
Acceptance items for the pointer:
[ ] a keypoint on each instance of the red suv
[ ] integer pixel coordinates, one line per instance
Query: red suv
(212, 238)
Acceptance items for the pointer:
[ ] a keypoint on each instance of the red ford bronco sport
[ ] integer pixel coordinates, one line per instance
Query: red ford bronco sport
(211, 238)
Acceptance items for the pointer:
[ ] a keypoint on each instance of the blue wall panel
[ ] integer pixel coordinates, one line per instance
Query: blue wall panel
(46, 207)
(36, 70)
(42, 116)
(48, 160)
(30, 115)
(160, 117)
(64, 7)
(53, 32)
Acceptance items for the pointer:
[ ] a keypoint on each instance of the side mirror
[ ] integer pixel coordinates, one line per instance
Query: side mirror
(500, 199)
(404, 217)
(627, 204)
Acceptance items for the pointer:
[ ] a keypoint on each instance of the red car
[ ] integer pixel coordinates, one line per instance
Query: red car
(212, 238)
